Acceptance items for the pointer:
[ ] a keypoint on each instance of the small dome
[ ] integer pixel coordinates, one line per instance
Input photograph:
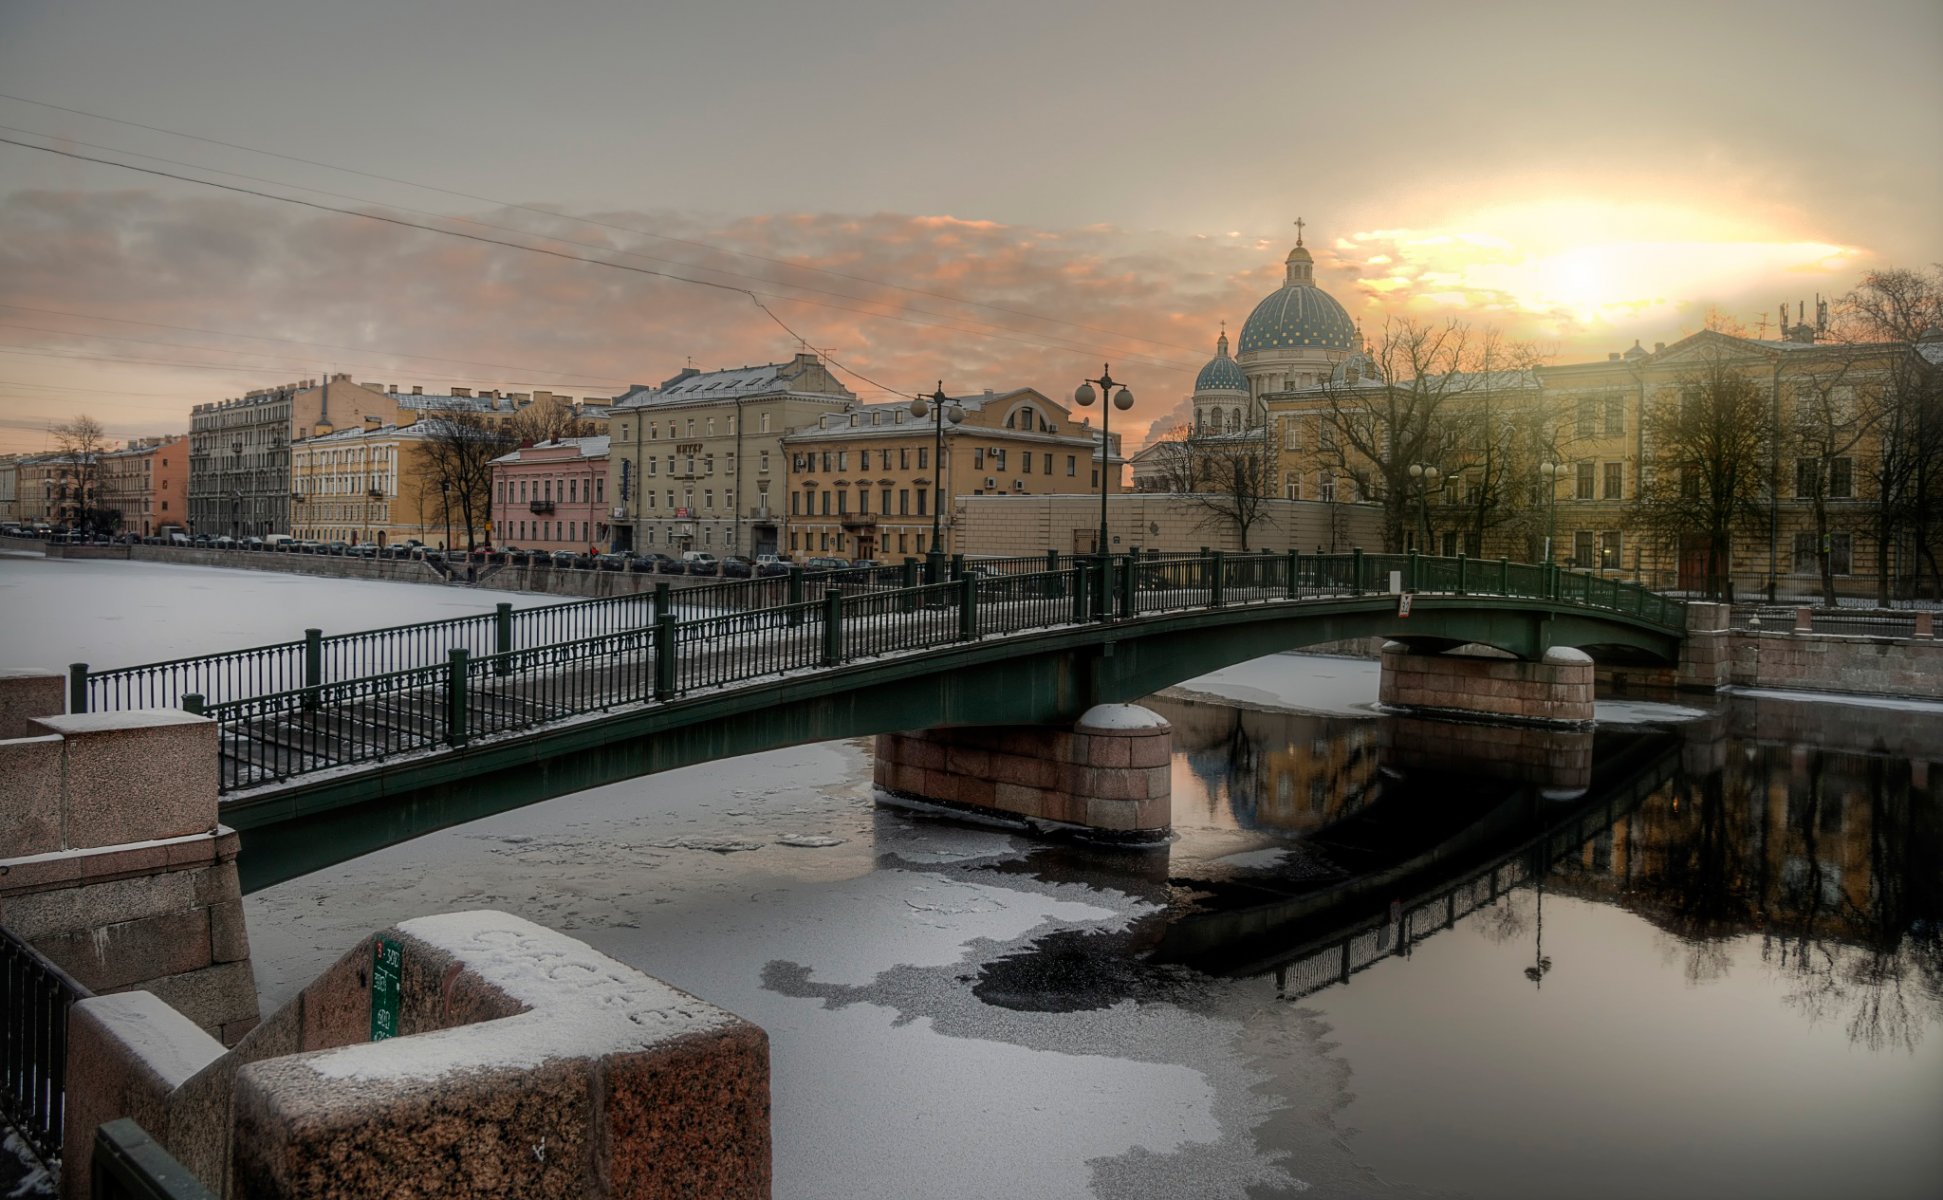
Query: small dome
(1358, 368)
(1638, 351)
(1222, 374)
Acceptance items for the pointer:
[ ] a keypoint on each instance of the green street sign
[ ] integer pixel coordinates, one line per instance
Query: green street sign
(386, 960)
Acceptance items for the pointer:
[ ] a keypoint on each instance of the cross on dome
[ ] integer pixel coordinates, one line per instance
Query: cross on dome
(1298, 230)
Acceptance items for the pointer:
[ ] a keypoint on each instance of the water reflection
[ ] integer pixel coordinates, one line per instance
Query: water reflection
(1316, 847)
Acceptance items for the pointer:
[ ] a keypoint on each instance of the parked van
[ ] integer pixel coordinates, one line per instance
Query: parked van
(699, 562)
(277, 539)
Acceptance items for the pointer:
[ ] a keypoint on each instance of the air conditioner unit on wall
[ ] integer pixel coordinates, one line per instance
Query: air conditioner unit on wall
(990, 482)
(1018, 485)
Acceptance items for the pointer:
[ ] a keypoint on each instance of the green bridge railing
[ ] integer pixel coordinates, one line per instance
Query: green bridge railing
(299, 707)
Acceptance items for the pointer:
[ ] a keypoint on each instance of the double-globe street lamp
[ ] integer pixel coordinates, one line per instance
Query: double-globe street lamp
(1426, 477)
(1084, 396)
(940, 408)
(236, 490)
(1550, 473)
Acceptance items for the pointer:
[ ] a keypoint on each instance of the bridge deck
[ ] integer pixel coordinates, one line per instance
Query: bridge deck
(301, 709)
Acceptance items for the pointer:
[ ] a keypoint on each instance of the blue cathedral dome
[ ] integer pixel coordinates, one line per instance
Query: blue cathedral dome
(1222, 374)
(1300, 316)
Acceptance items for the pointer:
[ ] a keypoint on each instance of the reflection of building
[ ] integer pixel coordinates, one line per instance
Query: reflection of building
(552, 496)
(1287, 772)
(697, 463)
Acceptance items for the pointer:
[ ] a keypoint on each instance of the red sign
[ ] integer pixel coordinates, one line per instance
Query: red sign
(683, 514)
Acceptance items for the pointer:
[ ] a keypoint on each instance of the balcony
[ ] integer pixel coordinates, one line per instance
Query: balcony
(540, 506)
(761, 512)
(857, 520)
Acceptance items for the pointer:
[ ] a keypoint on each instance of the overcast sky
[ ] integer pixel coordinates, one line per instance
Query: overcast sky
(1008, 193)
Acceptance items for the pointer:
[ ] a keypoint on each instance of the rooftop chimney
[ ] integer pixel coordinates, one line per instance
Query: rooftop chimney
(417, 390)
(1658, 346)
(463, 393)
(1614, 357)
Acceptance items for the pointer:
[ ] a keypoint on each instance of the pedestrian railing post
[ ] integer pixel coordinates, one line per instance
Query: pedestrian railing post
(1504, 576)
(907, 578)
(967, 606)
(455, 695)
(1217, 579)
(313, 667)
(1294, 581)
(502, 638)
(1081, 607)
(1412, 572)
(832, 627)
(795, 595)
(1463, 584)
(1129, 569)
(77, 687)
(1052, 574)
(192, 703)
(664, 652)
(1356, 571)
(957, 565)
(1103, 589)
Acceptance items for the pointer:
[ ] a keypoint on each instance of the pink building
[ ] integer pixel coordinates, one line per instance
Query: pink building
(552, 496)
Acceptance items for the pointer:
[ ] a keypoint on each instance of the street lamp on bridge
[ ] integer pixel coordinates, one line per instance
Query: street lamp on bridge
(940, 408)
(1122, 400)
(1427, 477)
(1550, 472)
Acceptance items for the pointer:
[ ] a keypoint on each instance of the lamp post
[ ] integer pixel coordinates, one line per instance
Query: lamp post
(940, 408)
(1426, 477)
(1549, 472)
(445, 506)
(236, 489)
(1122, 400)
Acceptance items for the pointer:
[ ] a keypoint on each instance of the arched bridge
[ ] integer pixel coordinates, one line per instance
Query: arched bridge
(427, 725)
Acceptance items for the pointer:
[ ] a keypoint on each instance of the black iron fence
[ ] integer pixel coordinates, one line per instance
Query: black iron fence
(378, 694)
(1844, 622)
(35, 996)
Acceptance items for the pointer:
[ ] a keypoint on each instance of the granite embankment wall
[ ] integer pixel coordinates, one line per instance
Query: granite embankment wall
(546, 580)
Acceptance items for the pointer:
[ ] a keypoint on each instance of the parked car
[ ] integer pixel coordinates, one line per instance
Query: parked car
(610, 561)
(773, 564)
(737, 567)
(564, 559)
(648, 562)
(700, 562)
(826, 563)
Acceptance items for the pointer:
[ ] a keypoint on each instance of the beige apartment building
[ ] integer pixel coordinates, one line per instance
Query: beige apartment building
(1589, 423)
(54, 489)
(241, 477)
(147, 483)
(369, 483)
(697, 462)
(9, 487)
(864, 483)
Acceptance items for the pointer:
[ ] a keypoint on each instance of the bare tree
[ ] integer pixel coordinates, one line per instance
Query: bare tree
(549, 420)
(1375, 434)
(460, 447)
(82, 442)
(1494, 434)
(1834, 411)
(1236, 479)
(1906, 474)
(1709, 447)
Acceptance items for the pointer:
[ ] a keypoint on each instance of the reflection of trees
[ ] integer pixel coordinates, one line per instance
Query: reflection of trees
(1830, 857)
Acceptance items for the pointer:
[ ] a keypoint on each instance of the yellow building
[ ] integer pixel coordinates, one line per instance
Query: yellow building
(367, 484)
(863, 483)
(1571, 451)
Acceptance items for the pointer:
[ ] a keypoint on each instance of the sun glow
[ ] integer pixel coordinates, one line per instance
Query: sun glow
(1576, 267)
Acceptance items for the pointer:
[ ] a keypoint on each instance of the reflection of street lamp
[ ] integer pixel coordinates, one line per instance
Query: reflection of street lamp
(1426, 477)
(1550, 472)
(1541, 965)
(941, 408)
(236, 489)
(1122, 400)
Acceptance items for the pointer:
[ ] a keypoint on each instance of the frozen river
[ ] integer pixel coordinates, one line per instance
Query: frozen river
(1731, 987)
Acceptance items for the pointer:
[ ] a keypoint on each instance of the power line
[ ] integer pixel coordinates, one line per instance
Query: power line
(709, 246)
(560, 254)
(993, 333)
(999, 332)
(265, 337)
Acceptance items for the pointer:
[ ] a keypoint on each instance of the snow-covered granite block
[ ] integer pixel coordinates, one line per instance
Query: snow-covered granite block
(27, 693)
(136, 776)
(126, 1054)
(528, 1065)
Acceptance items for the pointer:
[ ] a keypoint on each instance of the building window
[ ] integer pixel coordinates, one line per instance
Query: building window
(924, 457)
(885, 505)
(1325, 487)
(1585, 481)
(1048, 464)
(1582, 548)
(1615, 416)
(843, 460)
(921, 494)
(1841, 478)
(1690, 481)
(1613, 481)
(1807, 474)
(1072, 465)
(1609, 551)
(1588, 416)
(904, 458)
(978, 458)
(863, 500)
(1025, 463)
(904, 502)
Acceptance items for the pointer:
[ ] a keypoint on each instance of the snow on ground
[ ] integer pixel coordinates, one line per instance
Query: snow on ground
(1891, 703)
(109, 613)
(1293, 682)
(854, 936)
